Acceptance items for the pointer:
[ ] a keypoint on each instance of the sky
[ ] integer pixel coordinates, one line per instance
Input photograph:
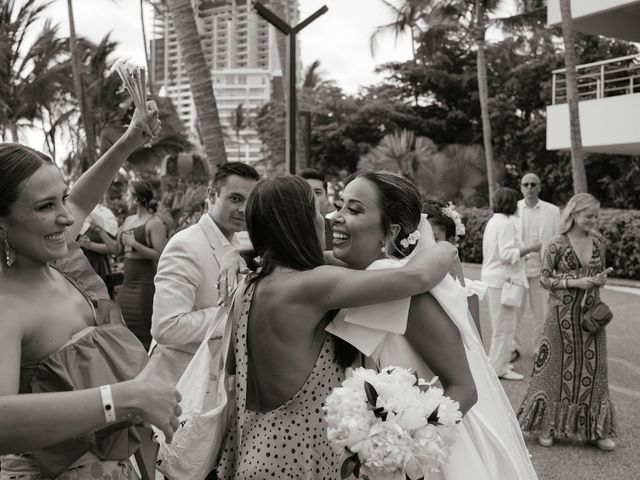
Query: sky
(339, 38)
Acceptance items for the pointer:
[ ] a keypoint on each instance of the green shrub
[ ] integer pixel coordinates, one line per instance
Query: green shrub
(620, 228)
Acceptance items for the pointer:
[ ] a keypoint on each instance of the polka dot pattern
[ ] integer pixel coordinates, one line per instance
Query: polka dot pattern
(289, 442)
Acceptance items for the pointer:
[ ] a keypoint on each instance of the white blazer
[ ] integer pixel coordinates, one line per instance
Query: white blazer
(501, 253)
(186, 297)
(549, 222)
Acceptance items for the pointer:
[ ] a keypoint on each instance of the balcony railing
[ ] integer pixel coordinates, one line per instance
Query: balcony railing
(609, 78)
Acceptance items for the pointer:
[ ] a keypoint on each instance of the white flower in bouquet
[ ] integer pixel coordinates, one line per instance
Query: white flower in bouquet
(391, 424)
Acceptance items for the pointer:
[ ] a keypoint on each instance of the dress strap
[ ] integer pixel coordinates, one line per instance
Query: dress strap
(241, 323)
(89, 300)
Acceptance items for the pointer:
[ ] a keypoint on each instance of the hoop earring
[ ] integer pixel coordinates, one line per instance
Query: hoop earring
(9, 253)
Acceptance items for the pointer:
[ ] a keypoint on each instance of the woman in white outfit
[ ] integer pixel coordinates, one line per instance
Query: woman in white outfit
(402, 333)
(502, 252)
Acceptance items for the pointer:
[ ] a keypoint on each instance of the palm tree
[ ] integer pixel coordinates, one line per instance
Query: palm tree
(452, 173)
(481, 7)
(238, 120)
(110, 100)
(30, 75)
(456, 172)
(79, 86)
(147, 58)
(402, 153)
(199, 75)
(406, 16)
(577, 154)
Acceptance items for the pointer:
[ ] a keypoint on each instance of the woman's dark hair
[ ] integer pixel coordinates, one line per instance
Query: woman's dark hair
(433, 209)
(505, 200)
(281, 221)
(17, 164)
(399, 202)
(143, 192)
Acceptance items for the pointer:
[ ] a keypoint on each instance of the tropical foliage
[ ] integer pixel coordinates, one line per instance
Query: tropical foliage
(346, 128)
(33, 66)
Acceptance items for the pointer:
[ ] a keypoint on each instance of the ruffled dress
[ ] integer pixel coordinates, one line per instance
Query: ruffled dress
(106, 353)
(568, 395)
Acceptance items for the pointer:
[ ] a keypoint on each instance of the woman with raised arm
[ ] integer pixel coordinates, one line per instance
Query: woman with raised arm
(286, 364)
(54, 337)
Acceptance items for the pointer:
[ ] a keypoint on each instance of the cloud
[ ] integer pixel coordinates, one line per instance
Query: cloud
(340, 40)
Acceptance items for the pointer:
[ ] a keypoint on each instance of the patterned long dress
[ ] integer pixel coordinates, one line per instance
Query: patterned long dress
(568, 395)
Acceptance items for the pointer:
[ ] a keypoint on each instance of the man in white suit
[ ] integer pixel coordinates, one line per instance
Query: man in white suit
(186, 296)
(538, 221)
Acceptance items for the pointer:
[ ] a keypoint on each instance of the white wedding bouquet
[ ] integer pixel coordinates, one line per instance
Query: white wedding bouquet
(392, 424)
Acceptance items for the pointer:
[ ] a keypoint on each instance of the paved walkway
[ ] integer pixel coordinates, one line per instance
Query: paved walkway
(584, 462)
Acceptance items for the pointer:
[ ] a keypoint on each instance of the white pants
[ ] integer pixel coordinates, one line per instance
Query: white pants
(538, 298)
(503, 326)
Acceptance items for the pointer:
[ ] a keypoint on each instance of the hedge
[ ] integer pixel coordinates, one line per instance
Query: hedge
(621, 229)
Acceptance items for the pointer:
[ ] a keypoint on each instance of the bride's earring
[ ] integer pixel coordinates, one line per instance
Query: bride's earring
(9, 253)
(383, 249)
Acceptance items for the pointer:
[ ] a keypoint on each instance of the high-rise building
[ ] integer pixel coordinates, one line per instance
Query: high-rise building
(241, 51)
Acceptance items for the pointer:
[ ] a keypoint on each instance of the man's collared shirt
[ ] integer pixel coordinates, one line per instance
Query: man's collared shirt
(530, 234)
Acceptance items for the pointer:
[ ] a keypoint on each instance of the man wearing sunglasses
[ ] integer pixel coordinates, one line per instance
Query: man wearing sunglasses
(538, 223)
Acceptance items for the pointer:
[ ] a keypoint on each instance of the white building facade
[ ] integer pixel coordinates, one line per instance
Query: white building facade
(241, 51)
(609, 90)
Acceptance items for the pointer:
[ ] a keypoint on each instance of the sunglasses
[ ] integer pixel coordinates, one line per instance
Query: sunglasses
(529, 184)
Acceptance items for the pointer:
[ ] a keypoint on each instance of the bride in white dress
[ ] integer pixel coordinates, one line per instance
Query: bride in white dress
(373, 230)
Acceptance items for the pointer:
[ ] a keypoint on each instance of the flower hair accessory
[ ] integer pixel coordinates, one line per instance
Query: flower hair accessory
(451, 212)
(412, 239)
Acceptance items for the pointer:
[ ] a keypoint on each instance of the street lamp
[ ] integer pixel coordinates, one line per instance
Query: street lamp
(292, 106)
(306, 114)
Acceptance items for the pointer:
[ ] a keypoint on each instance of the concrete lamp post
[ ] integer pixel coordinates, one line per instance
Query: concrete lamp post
(292, 106)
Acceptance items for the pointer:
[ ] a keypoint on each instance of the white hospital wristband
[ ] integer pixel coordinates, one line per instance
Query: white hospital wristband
(108, 407)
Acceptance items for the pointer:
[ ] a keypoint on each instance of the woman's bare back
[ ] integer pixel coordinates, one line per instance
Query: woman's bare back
(284, 340)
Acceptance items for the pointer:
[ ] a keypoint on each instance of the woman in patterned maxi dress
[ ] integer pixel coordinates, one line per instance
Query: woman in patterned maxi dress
(568, 395)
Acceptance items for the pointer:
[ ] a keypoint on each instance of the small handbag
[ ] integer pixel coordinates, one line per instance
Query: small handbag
(512, 293)
(595, 317)
(207, 402)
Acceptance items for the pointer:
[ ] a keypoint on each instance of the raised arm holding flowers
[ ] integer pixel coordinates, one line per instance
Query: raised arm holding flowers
(52, 327)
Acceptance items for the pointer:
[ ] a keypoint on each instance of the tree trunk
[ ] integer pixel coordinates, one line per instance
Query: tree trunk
(147, 58)
(483, 94)
(184, 22)
(578, 171)
(78, 83)
(281, 45)
(14, 132)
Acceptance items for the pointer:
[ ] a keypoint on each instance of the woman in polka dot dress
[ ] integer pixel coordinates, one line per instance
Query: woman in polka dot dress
(286, 364)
